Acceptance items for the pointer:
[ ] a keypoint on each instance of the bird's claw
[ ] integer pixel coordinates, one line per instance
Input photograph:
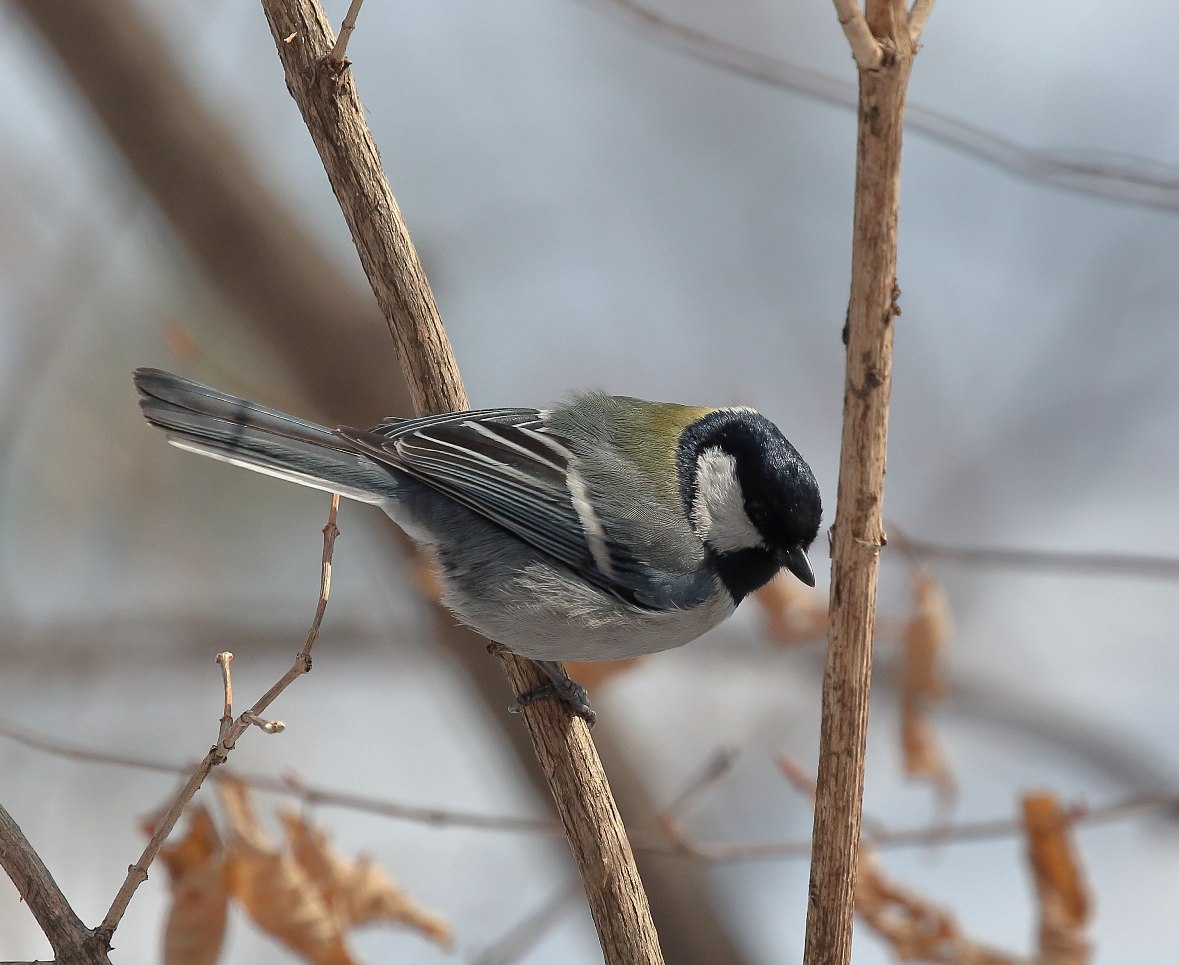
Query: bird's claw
(568, 691)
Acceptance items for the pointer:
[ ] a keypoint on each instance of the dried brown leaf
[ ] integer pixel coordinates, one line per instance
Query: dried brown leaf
(927, 637)
(794, 615)
(275, 891)
(1063, 896)
(923, 646)
(916, 929)
(195, 928)
(239, 811)
(358, 892)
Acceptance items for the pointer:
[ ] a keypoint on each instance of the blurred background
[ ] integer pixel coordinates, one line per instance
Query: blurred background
(654, 200)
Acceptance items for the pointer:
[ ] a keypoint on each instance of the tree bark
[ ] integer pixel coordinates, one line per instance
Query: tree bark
(883, 47)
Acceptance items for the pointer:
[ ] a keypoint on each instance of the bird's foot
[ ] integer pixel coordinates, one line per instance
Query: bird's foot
(561, 687)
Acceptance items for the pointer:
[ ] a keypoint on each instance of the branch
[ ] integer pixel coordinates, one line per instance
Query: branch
(1121, 178)
(331, 108)
(918, 15)
(865, 48)
(340, 48)
(858, 533)
(71, 941)
(673, 844)
(228, 734)
(1066, 561)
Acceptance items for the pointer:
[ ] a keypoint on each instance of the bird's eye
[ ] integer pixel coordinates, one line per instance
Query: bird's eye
(757, 510)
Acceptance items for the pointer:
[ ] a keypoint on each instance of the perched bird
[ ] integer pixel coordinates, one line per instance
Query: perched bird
(603, 527)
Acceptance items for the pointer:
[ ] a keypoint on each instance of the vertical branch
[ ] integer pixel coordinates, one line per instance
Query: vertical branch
(858, 532)
(327, 98)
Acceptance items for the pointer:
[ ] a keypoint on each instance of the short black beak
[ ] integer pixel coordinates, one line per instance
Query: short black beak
(796, 562)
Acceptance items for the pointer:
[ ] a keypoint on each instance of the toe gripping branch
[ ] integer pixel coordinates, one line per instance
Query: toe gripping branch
(560, 687)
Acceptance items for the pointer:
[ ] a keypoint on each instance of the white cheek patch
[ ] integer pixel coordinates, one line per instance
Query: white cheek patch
(718, 510)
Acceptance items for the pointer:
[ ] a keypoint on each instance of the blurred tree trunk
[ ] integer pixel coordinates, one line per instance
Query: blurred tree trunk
(269, 267)
(260, 259)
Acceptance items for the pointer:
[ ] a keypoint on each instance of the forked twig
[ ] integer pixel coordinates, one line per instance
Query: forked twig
(228, 733)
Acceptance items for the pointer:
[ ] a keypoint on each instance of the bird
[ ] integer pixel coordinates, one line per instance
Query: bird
(600, 528)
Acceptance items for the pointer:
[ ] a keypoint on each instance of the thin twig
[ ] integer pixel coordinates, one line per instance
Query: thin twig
(227, 738)
(1004, 557)
(309, 794)
(1121, 178)
(865, 48)
(711, 771)
(340, 48)
(522, 937)
(1125, 808)
(224, 659)
(918, 15)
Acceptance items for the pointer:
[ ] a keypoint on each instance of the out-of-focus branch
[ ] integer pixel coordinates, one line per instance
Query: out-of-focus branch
(1121, 178)
(328, 101)
(72, 942)
(221, 208)
(673, 843)
(1058, 561)
(858, 533)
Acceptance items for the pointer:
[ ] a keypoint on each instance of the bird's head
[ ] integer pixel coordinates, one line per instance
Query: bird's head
(751, 497)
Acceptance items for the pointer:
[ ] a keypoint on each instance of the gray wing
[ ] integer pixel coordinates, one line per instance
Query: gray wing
(505, 465)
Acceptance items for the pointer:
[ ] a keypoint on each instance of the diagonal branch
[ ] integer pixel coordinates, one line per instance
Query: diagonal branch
(229, 730)
(330, 106)
(71, 941)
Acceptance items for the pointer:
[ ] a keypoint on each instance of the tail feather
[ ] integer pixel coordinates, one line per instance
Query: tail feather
(212, 423)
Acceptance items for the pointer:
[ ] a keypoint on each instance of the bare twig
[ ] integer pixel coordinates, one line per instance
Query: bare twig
(523, 936)
(309, 794)
(1126, 808)
(340, 48)
(1121, 178)
(224, 659)
(264, 725)
(711, 771)
(918, 15)
(72, 942)
(227, 738)
(865, 48)
(331, 108)
(858, 533)
(1107, 564)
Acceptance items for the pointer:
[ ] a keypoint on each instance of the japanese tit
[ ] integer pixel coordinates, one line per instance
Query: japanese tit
(603, 527)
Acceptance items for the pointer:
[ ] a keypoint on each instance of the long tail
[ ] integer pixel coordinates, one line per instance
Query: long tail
(212, 423)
